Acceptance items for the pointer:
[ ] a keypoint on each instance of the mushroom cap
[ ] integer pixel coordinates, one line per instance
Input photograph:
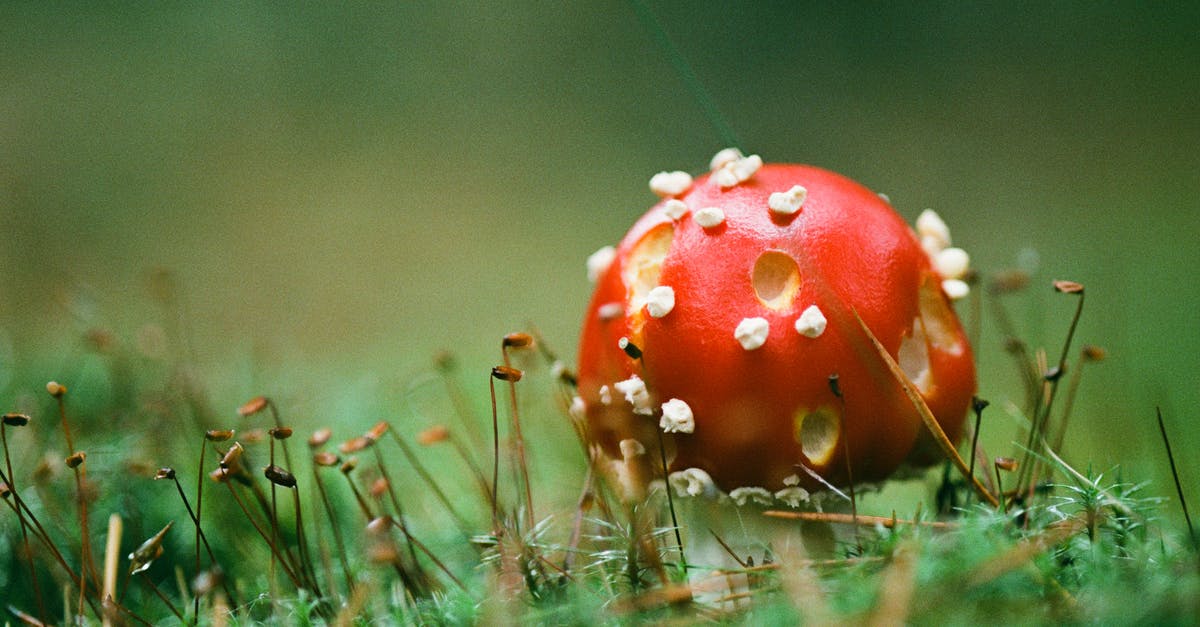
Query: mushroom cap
(762, 411)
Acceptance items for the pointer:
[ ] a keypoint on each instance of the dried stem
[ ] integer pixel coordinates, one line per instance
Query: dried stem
(399, 518)
(337, 532)
(1028, 474)
(305, 566)
(87, 565)
(275, 552)
(519, 440)
(977, 406)
(202, 539)
(927, 417)
(166, 601)
(458, 398)
(1018, 349)
(861, 520)
(586, 496)
(495, 491)
(427, 478)
(1178, 486)
(424, 549)
(17, 503)
(27, 553)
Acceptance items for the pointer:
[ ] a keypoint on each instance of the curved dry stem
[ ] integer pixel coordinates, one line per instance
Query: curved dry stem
(927, 417)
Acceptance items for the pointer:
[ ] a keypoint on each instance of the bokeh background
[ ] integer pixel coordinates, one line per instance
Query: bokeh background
(338, 192)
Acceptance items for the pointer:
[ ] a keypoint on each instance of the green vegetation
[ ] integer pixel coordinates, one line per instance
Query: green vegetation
(402, 524)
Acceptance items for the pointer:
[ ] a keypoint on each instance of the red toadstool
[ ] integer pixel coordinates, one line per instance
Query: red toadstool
(722, 316)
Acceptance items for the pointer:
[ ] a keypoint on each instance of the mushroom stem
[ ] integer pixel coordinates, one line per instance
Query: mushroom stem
(931, 423)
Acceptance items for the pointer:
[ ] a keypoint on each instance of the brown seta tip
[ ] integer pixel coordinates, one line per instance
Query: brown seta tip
(253, 406)
(433, 435)
(517, 340)
(1068, 287)
(320, 437)
(506, 373)
(326, 459)
(355, 444)
(374, 433)
(218, 435)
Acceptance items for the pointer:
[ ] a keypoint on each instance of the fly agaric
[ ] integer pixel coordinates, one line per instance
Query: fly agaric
(728, 318)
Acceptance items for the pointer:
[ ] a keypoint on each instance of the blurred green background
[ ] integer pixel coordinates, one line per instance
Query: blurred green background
(341, 191)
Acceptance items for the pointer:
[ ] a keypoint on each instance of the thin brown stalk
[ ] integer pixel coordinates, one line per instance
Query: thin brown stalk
(202, 537)
(837, 391)
(26, 618)
(196, 518)
(264, 504)
(518, 439)
(27, 553)
(476, 471)
(337, 532)
(448, 368)
(586, 498)
(305, 560)
(261, 532)
(729, 550)
(495, 459)
(358, 497)
(927, 417)
(86, 566)
(1016, 348)
(399, 518)
(1087, 355)
(807, 563)
(1028, 474)
(1060, 432)
(1178, 485)
(977, 406)
(427, 478)
(1000, 490)
(287, 457)
(861, 520)
(18, 504)
(127, 612)
(274, 516)
(428, 553)
(166, 601)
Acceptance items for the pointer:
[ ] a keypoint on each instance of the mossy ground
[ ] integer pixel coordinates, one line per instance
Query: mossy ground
(411, 532)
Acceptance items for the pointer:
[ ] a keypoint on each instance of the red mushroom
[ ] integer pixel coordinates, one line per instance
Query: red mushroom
(726, 318)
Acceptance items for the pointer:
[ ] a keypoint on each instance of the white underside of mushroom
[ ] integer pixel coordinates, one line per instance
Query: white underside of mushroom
(693, 482)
